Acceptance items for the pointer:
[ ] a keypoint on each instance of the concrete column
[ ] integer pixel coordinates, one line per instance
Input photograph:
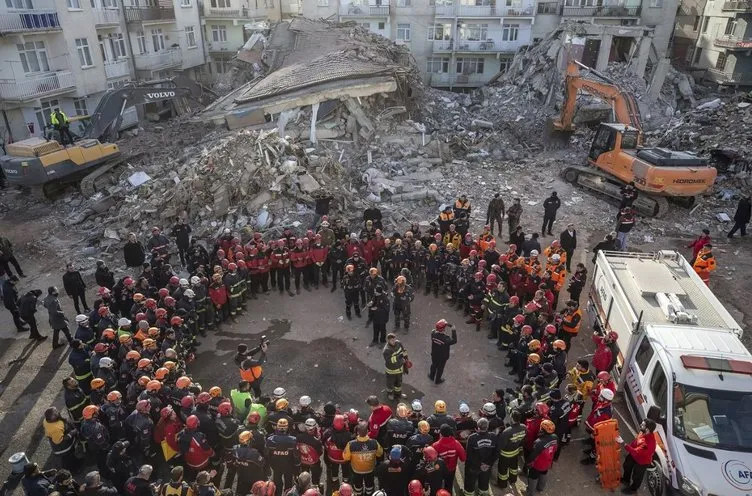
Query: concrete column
(603, 52)
(643, 53)
(659, 76)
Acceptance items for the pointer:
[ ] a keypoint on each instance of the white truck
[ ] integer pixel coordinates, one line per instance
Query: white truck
(681, 363)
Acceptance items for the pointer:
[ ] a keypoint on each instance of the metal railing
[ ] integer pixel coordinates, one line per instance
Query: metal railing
(489, 45)
(106, 16)
(549, 8)
(602, 11)
(739, 5)
(731, 41)
(461, 10)
(160, 60)
(36, 86)
(140, 14)
(116, 69)
(366, 11)
(226, 13)
(18, 21)
(446, 79)
(220, 46)
(720, 76)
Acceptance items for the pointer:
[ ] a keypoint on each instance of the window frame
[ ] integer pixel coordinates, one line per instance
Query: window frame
(190, 36)
(39, 50)
(84, 52)
(660, 398)
(80, 105)
(406, 29)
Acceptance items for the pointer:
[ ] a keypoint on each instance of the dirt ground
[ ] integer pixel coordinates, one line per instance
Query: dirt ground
(314, 349)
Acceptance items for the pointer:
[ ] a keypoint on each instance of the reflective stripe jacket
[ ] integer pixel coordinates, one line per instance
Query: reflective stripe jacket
(362, 453)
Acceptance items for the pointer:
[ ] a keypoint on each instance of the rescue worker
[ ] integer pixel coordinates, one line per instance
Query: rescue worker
(403, 296)
(194, 446)
(319, 257)
(395, 360)
(481, 454)
(370, 283)
(541, 458)
(335, 441)
(61, 123)
(462, 206)
(628, 194)
(310, 450)
(114, 415)
(440, 344)
(80, 360)
(282, 456)
(466, 424)
(299, 257)
(362, 453)
(233, 283)
(280, 262)
(510, 447)
(378, 307)
(75, 398)
(139, 429)
(336, 260)
(451, 451)
(351, 286)
(705, 263)
(445, 219)
(639, 457)
(431, 471)
(625, 222)
(398, 429)
(418, 441)
(601, 412)
(559, 413)
(571, 321)
(439, 418)
(247, 462)
(513, 215)
(394, 473)
(550, 206)
(96, 436)
(251, 368)
(377, 420)
(495, 213)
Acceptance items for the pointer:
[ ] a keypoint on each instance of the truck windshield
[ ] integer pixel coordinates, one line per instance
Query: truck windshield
(717, 419)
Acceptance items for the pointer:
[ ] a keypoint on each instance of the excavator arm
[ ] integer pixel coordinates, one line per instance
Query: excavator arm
(622, 102)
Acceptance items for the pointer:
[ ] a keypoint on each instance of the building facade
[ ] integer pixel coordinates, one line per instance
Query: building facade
(713, 39)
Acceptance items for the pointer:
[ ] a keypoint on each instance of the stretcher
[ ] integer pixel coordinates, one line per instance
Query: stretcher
(607, 459)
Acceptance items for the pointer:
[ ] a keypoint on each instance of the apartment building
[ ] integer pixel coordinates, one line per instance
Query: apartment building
(713, 39)
(463, 43)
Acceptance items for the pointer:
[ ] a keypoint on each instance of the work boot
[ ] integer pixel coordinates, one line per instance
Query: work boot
(349, 315)
(357, 313)
(334, 288)
(290, 293)
(307, 287)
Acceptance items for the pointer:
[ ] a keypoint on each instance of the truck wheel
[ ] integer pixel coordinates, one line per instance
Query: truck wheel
(570, 175)
(655, 481)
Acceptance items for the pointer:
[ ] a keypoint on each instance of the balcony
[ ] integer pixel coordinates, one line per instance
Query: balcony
(488, 46)
(366, 11)
(30, 88)
(117, 69)
(469, 11)
(221, 46)
(106, 17)
(602, 11)
(458, 80)
(160, 60)
(737, 78)
(734, 42)
(29, 20)
(738, 5)
(222, 13)
(149, 14)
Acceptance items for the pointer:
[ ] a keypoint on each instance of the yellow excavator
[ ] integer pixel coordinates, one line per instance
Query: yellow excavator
(617, 155)
(44, 165)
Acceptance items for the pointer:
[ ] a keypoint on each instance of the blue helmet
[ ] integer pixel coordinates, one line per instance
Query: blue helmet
(395, 454)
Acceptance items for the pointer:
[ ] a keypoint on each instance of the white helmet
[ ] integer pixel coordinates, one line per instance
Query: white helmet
(183, 283)
(227, 230)
(106, 362)
(607, 394)
(417, 406)
(534, 253)
(310, 423)
(188, 293)
(489, 408)
(122, 322)
(80, 319)
(279, 392)
(195, 280)
(555, 257)
(305, 400)
(464, 408)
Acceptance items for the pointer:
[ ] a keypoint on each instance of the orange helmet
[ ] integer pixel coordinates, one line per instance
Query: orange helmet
(153, 332)
(153, 385)
(533, 359)
(143, 363)
(183, 382)
(169, 365)
(133, 355)
(143, 380)
(534, 345)
(90, 411)
(97, 383)
(114, 396)
(215, 392)
(109, 333)
(559, 345)
(161, 373)
(263, 488)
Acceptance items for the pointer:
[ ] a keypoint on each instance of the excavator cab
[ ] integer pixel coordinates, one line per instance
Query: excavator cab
(613, 137)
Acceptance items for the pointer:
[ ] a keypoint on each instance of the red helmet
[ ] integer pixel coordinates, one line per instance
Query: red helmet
(531, 307)
(430, 454)
(491, 279)
(140, 316)
(203, 398)
(352, 417)
(443, 492)
(338, 423)
(512, 247)
(519, 318)
(415, 488)
(169, 301)
(482, 264)
(241, 264)
(128, 281)
(254, 418)
(164, 292)
(473, 253)
(527, 330)
(176, 320)
(100, 348)
(143, 406)
(232, 266)
(612, 335)
(603, 376)
(312, 492)
(264, 488)
(551, 329)
(166, 412)
(187, 401)
(160, 313)
(225, 263)
(225, 408)
(151, 303)
(345, 489)
(174, 281)
(492, 243)
(514, 300)
(192, 422)
(503, 258)
(103, 310)
(441, 325)
(239, 256)
(541, 409)
(220, 253)
(479, 276)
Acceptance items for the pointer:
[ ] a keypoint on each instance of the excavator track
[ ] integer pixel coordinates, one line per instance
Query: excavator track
(607, 185)
(88, 184)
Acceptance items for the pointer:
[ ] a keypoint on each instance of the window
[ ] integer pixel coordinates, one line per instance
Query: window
(221, 4)
(141, 39)
(505, 63)
(80, 105)
(222, 66)
(474, 32)
(439, 32)
(382, 26)
(509, 32)
(437, 64)
(105, 57)
(118, 45)
(366, 25)
(470, 65)
(403, 3)
(698, 54)
(322, 3)
(548, 8)
(658, 386)
(185, 3)
(84, 55)
(644, 355)
(656, 4)
(73, 4)
(403, 32)
(190, 36)
(730, 26)
(109, 4)
(43, 113)
(157, 39)
(33, 56)
(720, 64)
(705, 24)
(19, 4)
(219, 33)
(697, 23)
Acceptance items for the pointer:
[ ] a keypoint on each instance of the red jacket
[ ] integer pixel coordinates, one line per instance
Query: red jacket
(601, 412)
(319, 254)
(280, 259)
(351, 248)
(541, 457)
(299, 258)
(167, 430)
(697, 245)
(532, 428)
(451, 451)
(377, 246)
(218, 294)
(465, 249)
(378, 419)
(195, 449)
(642, 448)
(602, 357)
(367, 252)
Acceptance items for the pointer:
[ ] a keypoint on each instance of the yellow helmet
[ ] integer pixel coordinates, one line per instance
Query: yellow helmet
(402, 410)
(423, 427)
(245, 437)
(281, 404)
(548, 426)
(534, 345)
(97, 383)
(401, 280)
(439, 406)
(533, 359)
(215, 391)
(282, 424)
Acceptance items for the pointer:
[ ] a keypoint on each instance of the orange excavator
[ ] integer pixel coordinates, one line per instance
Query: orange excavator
(617, 156)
